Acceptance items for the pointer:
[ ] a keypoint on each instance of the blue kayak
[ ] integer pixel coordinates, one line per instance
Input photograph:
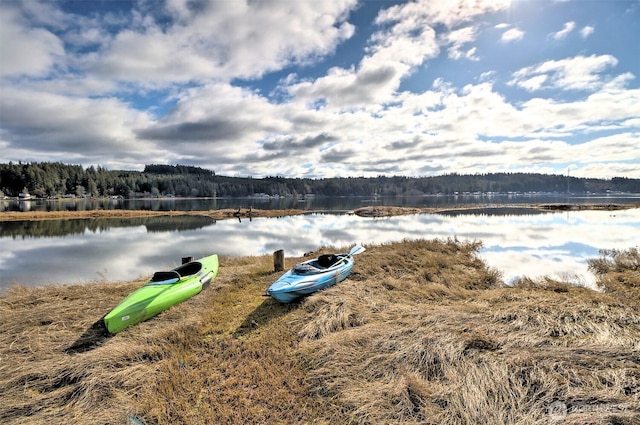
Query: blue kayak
(313, 275)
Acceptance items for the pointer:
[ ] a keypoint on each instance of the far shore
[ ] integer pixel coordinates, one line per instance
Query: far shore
(366, 211)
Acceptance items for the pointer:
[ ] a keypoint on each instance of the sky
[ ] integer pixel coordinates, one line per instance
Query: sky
(324, 88)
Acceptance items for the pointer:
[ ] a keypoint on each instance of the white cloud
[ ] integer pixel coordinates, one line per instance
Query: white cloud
(450, 13)
(487, 76)
(534, 83)
(406, 40)
(219, 40)
(514, 34)
(44, 13)
(31, 51)
(216, 121)
(586, 31)
(578, 73)
(457, 39)
(249, 41)
(564, 32)
(53, 127)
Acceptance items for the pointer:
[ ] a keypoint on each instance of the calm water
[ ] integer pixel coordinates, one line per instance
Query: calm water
(518, 243)
(310, 204)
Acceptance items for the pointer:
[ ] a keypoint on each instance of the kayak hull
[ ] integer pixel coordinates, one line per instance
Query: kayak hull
(163, 291)
(295, 284)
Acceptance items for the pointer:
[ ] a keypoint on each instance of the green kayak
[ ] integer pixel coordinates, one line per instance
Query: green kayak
(164, 290)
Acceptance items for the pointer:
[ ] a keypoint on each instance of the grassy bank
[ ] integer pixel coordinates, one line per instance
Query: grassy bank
(421, 332)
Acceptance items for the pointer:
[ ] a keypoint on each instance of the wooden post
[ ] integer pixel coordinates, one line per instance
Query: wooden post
(186, 260)
(278, 260)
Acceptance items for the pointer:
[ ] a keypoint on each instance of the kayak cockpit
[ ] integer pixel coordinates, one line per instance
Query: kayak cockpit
(165, 277)
(319, 265)
(189, 268)
(173, 276)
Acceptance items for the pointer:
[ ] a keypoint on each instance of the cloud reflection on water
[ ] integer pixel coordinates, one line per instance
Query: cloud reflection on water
(553, 244)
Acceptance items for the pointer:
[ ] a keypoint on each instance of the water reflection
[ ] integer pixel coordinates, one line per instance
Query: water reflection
(343, 203)
(52, 228)
(531, 244)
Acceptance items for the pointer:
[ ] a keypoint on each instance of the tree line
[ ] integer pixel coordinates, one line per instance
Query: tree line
(56, 179)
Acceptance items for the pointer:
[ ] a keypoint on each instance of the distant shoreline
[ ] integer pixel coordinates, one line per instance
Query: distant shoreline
(366, 211)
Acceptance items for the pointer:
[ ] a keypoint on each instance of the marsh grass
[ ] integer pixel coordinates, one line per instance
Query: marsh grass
(421, 332)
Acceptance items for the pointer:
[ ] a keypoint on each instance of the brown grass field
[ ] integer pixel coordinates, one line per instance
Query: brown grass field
(422, 332)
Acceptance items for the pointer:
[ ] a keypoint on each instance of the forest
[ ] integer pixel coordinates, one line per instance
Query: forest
(56, 179)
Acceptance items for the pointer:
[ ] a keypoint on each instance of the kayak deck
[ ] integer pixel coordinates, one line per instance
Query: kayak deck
(311, 276)
(164, 290)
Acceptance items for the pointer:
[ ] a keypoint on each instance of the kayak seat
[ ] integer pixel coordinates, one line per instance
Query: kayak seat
(189, 268)
(162, 276)
(327, 260)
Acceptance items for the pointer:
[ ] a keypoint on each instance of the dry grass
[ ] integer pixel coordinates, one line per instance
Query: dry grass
(421, 332)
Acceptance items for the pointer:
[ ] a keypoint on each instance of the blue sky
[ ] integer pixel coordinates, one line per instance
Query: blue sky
(324, 88)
